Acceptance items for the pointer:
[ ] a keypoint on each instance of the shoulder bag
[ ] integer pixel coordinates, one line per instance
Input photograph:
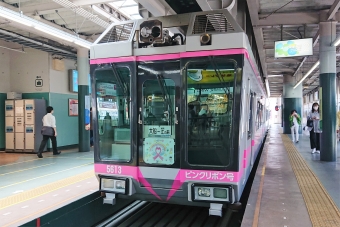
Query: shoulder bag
(47, 131)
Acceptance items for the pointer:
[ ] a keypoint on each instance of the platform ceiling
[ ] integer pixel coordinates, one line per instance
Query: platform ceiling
(272, 20)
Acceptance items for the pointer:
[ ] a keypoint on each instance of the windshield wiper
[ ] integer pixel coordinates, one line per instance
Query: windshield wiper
(165, 95)
(121, 83)
(219, 76)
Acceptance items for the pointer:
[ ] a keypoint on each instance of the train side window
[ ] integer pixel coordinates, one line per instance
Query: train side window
(113, 106)
(250, 121)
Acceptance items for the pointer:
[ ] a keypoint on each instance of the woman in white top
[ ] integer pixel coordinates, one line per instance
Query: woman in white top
(49, 121)
(314, 134)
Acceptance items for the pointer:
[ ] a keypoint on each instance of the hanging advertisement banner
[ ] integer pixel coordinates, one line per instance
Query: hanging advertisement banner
(294, 48)
(209, 76)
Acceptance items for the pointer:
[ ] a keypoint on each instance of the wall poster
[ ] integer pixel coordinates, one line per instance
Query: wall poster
(73, 107)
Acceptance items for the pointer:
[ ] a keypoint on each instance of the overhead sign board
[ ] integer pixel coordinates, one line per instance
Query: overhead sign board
(293, 48)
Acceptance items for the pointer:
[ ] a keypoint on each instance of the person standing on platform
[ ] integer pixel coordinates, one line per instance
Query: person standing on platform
(295, 121)
(314, 116)
(91, 128)
(49, 131)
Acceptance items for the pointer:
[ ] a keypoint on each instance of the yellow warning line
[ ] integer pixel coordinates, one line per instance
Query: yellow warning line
(259, 194)
(26, 169)
(321, 208)
(42, 190)
(9, 185)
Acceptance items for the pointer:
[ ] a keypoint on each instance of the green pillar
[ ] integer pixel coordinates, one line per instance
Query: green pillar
(292, 100)
(327, 55)
(83, 91)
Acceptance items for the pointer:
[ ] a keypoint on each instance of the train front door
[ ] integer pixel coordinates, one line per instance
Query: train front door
(158, 88)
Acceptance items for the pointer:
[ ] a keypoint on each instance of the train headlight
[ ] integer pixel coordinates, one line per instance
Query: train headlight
(211, 192)
(220, 193)
(204, 192)
(115, 184)
(108, 183)
(120, 184)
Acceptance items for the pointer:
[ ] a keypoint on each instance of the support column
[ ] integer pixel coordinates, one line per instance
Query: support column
(327, 55)
(83, 91)
(292, 100)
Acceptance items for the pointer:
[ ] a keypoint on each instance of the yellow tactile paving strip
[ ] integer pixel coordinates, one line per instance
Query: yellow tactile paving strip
(321, 208)
(33, 193)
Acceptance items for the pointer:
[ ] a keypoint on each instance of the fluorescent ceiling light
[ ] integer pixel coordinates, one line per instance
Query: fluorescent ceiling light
(307, 74)
(279, 75)
(54, 33)
(19, 18)
(83, 44)
(267, 86)
(14, 16)
(105, 14)
(336, 42)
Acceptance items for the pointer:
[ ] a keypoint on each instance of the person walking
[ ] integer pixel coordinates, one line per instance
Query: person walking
(49, 132)
(314, 135)
(294, 121)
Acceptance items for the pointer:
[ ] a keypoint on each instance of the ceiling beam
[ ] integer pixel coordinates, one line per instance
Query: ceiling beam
(253, 8)
(288, 19)
(333, 10)
(282, 60)
(279, 70)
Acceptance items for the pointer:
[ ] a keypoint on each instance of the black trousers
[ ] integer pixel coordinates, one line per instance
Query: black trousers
(44, 141)
(314, 140)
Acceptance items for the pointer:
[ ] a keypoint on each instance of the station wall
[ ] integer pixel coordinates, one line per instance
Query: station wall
(4, 88)
(19, 72)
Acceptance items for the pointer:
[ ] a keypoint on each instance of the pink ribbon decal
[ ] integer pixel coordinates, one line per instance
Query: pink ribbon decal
(158, 154)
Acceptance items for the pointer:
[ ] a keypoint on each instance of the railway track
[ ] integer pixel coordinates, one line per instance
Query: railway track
(160, 215)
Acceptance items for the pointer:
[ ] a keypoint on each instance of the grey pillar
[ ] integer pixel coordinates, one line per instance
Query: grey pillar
(328, 95)
(83, 91)
(292, 100)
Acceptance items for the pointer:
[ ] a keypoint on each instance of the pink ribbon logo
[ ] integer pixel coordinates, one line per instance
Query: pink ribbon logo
(158, 151)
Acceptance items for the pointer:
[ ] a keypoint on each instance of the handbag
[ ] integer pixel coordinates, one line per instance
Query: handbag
(47, 131)
(310, 123)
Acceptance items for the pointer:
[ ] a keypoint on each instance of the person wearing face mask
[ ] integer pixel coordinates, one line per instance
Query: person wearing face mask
(295, 121)
(314, 134)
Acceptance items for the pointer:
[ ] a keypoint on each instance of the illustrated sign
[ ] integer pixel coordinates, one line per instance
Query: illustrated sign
(159, 131)
(209, 76)
(294, 48)
(106, 89)
(159, 151)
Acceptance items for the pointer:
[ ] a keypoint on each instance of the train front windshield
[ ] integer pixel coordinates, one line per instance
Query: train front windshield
(113, 86)
(203, 87)
(210, 87)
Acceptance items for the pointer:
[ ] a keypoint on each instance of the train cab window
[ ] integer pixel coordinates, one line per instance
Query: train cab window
(113, 112)
(159, 121)
(210, 89)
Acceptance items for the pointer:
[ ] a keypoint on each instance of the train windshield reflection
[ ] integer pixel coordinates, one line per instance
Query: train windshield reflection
(210, 89)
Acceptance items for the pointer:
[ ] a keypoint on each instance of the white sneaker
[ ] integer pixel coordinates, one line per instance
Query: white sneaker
(318, 151)
(313, 151)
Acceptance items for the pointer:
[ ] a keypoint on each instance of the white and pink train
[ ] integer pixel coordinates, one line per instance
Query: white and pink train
(179, 114)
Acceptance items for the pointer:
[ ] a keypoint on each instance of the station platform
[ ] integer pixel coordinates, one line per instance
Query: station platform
(292, 187)
(31, 187)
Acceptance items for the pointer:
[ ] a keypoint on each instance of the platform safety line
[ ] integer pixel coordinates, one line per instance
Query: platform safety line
(36, 159)
(45, 175)
(45, 209)
(42, 190)
(259, 194)
(321, 208)
(26, 169)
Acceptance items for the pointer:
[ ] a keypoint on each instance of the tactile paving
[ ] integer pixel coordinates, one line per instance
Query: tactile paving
(24, 196)
(322, 210)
